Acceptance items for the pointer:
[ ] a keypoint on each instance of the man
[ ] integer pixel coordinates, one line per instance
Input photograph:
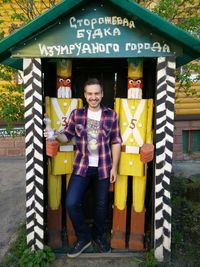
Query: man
(98, 145)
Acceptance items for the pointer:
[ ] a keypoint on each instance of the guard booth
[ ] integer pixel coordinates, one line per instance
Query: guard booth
(98, 39)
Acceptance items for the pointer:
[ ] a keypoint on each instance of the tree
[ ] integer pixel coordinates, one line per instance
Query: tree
(20, 13)
(186, 15)
(183, 13)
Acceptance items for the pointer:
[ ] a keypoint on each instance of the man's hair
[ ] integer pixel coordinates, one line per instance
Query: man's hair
(92, 81)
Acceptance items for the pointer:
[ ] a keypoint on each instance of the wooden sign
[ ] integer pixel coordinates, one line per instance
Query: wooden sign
(97, 31)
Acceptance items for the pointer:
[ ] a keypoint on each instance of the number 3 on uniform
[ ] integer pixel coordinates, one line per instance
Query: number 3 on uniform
(64, 121)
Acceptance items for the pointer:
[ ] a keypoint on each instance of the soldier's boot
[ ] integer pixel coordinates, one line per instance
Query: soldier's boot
(54, 225)
(118, 237)
(136, 239)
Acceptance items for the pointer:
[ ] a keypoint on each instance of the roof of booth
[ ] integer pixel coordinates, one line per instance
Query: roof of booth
(190, 45)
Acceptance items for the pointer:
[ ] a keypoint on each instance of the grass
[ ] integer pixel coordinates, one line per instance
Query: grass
(19, 255)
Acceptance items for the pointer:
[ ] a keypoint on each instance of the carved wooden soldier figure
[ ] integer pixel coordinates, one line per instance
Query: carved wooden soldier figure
(59, 109)
(135, 119)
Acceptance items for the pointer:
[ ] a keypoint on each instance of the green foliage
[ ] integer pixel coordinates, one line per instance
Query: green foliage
(184, 14)
(20, 255)
(12, 101)
(16, 249)
(151, 260)
(183, 76)
(185, 221)
(11, 104)
(6, 73)
(38, 258)
(12, 98)
(181, 13)
(20, 16)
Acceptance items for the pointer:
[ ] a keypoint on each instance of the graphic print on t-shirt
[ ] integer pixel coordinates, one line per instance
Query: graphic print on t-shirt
(93, 124)
(92, 132)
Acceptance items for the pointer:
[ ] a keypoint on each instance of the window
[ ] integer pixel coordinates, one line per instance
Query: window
(191, 141)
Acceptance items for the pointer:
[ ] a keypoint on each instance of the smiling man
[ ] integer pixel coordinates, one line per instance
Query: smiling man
(98, 144)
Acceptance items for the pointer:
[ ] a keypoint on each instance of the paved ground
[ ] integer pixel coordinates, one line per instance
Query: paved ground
(103, 261)
(12, 199)
(12, 209)
(187, 168)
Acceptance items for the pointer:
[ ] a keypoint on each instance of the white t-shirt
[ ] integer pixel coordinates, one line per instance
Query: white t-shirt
(93, 124)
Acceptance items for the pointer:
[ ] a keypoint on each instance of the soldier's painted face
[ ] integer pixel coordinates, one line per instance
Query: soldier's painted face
(135, 88)
(63, 82)
(135, 83)
(93, 95)
(64, 87)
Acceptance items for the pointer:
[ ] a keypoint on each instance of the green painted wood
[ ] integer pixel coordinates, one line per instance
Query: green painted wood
(97, 31)
(190, 46)
(33, 27)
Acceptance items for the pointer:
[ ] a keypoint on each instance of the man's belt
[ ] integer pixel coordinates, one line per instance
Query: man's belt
(66, 148)
(130, 149)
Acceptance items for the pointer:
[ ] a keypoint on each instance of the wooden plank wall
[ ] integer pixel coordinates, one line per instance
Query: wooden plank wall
(187, 101)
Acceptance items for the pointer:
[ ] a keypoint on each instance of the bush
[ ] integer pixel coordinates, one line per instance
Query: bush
(12, 97)
(11, 106)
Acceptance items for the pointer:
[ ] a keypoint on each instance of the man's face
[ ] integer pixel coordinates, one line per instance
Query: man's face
(93, 95)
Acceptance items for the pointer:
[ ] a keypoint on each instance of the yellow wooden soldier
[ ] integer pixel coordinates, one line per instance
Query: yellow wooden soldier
(59, 109)
(135, 119)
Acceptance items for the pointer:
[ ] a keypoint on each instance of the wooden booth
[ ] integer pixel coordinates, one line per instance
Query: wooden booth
(124, 46)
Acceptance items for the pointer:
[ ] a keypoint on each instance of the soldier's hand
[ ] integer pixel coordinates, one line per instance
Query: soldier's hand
(147, 153)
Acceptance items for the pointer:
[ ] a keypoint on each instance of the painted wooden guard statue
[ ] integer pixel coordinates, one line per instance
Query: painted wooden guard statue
(135, 119)
(60, 164)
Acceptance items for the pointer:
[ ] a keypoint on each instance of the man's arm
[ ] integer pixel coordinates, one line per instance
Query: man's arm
(61, 137)
(115, 149)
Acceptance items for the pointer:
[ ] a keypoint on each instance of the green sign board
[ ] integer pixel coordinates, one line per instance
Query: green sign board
(97, 30)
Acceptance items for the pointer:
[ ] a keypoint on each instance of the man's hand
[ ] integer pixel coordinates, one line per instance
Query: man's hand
(147, 153)
(113, 175)
(50, 135)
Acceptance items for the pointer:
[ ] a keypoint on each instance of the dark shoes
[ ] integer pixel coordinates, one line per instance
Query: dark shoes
(102, 245)
(79, 247)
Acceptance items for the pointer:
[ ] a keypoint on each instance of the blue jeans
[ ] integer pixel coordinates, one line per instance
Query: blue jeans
(75, 194)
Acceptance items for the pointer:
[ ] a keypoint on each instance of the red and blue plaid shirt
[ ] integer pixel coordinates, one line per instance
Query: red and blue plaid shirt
(108, 134)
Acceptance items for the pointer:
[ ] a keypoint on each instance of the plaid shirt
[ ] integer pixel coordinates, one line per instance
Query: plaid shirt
(108, 134)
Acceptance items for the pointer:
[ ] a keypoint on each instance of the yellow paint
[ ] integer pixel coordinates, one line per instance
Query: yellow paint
(64, 67)
(187, 111)
(54, 188)
(135, 68)
(130, 164)
(62, 163)
(187, 101)
(8, 9)
(139, 191)
(121, 187)
(191, 105)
